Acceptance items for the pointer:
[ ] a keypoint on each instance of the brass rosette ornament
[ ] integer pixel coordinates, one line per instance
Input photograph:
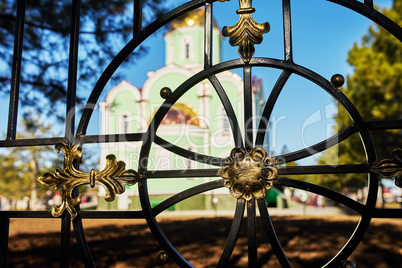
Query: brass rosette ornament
(113, 178)
(248, 173)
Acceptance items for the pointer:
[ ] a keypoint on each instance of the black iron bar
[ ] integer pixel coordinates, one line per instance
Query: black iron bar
(251, 234)
(208, 186)
(189, 173)
(26, 214)
(70, 118)
(384, 124)
(85, 214)
(271, 234)
(387, 213)
(72, 70)
(65, 241)
(127, 137)
(31, 142)
(16, 71)
(82, 242)
(233, 234)
(287, 30)
(286, 170)
(4, 232)
(208, 36)
(137, 19)
(98, 214)
(248, 106)
(324, 169)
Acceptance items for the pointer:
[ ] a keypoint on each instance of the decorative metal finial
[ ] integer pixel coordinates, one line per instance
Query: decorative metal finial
(337, 80)
(165, 92)
(248, 173)
(246, 32)
(389, 168)
(113, 178)
(162, 257)
(348, 264)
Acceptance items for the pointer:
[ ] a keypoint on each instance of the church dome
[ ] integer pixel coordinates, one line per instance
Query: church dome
(181, 114)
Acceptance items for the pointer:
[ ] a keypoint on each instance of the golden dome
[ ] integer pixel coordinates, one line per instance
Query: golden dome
(180, 114)
(192, 18)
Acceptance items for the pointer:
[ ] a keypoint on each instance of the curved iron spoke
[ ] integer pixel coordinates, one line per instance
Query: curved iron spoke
(82, 242)
(186, 194)
(156, 229)
(318, 147)
(251, 234)
(323, 169)
(350, 203)
(189, 173)
(351, 244)
(269, 106)
(206, 159)
(234, 124)
(234, 231)
(272, 238)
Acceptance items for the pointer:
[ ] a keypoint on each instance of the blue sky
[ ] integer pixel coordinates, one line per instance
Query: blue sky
(322, 35)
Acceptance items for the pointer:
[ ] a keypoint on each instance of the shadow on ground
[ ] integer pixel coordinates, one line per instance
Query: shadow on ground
(308, 242)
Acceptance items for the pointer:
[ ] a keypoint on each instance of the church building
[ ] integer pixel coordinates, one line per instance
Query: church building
(196, 122)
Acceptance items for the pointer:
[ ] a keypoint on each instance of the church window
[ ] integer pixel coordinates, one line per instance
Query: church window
(224, 124)
(187, 50)
(187, 47)
(124, 123)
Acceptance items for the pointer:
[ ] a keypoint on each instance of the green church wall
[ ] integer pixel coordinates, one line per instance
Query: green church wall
(124, 103)
(171, 80)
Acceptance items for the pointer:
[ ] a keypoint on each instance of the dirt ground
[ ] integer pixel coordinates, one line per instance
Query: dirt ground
(307, 241)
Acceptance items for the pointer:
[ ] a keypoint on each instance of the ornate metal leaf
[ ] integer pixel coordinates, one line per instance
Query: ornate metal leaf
(246, 32)
(389, 168)
(113, 178)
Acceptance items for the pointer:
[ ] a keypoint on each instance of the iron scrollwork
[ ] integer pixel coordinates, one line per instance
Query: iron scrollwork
(248, 173)
(246, 32)
(113, 178)
(389, 168)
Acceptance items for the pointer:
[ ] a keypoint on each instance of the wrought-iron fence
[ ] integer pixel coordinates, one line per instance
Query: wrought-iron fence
(248, 172)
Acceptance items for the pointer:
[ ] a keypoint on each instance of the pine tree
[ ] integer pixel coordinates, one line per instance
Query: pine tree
(105, 27)
(375, 88)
